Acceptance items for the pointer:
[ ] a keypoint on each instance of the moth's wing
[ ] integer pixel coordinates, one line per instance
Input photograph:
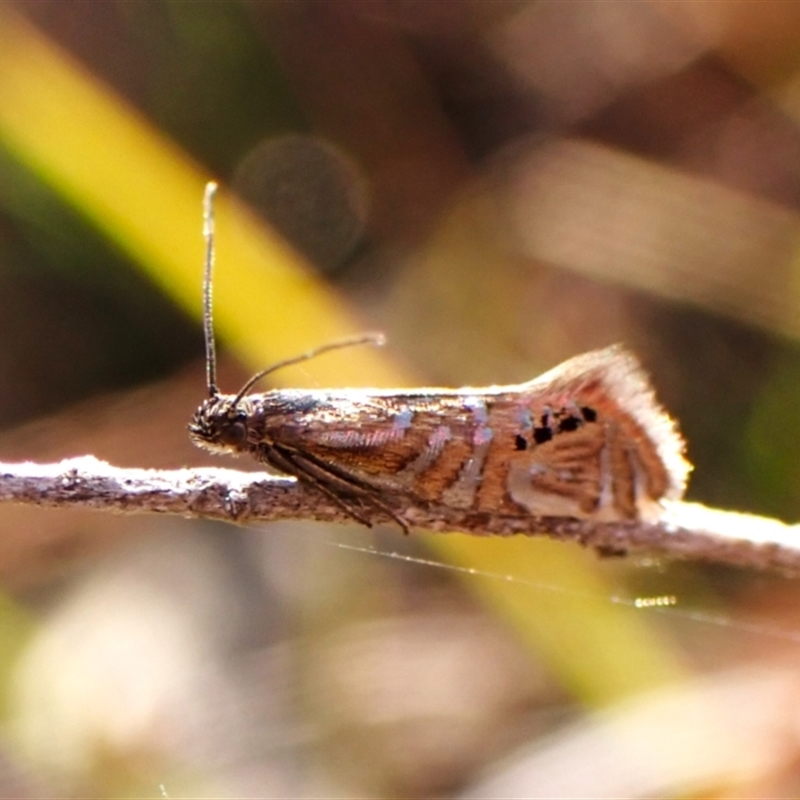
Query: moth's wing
(622, 460)
(387, 440)
(612, 452)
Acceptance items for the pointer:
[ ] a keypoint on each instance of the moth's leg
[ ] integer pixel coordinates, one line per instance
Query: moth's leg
(324, 471)
(331, 493)
(282, 460)
(332, 481)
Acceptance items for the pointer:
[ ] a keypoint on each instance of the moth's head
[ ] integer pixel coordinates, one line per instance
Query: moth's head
(220, 425)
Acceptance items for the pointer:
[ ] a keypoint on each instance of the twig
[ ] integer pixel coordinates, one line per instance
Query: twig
(687, 530)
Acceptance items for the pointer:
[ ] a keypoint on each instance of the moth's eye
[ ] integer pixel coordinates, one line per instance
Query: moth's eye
(233, 434)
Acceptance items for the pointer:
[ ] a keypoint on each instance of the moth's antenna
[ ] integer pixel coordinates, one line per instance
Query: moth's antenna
(377, 339)
(208, 320)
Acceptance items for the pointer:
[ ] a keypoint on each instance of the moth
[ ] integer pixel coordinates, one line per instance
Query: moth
(587, 440)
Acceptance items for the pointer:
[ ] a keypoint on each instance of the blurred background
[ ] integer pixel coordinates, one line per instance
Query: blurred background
(495, 185)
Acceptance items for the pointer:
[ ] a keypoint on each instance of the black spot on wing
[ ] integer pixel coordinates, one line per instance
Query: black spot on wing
(542, 435)
(569, 424)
